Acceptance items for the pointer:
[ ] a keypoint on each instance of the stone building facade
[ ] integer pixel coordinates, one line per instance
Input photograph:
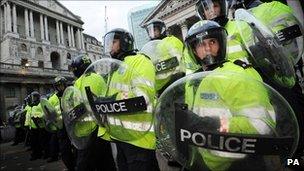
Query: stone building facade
(38, 39)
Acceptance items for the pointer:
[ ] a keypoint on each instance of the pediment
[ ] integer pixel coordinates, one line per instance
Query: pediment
(57, 7)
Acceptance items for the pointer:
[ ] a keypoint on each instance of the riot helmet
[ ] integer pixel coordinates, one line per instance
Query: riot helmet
(206, 43)
(35, 98)
(79, 64)
(156, 29)
(118, 43)
(60, 83)
(215, 10)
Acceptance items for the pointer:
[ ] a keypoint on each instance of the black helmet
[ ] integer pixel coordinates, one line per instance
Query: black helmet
(79, 64)
(151, 29)
(126, 43)
(60, 81)
(206, 10)
(35, 98)
(202, 30)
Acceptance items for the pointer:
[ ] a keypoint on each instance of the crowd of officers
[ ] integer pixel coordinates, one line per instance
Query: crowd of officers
(204, 49)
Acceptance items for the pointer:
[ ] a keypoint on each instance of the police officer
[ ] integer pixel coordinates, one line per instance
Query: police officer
(65, 146)
(206, 42)
(98, 154)
(33, 113)
(276, 19)
(136, 154)
(170, 47)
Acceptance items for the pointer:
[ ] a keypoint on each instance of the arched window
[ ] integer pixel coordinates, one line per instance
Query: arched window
(68, 56)
(23, 47)
(39, 51)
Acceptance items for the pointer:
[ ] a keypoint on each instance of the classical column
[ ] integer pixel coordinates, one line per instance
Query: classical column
(57, 31)
(26, 23)
(82, 40)
(73, 38)
(14, 19)
(46, 28)
(32, 24)
(61, 33)
(184, 28)
(41, 27)
(78, 39)
(8, 17)
(69, 36)
(4, 18)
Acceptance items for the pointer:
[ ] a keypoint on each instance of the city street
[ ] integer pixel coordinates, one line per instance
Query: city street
(17, 158)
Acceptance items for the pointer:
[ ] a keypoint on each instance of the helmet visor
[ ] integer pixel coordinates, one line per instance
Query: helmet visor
(111, 43)
(211, 9)
(208, 47)
(155, 30)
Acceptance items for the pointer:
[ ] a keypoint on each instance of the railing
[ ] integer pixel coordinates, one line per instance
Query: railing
(8, 68)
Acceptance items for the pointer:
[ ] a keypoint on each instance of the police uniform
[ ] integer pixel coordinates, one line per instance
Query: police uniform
(135, 150)
(98, 155)
(236, 110)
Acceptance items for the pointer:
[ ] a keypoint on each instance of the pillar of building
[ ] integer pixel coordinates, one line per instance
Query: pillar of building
(46, 28)
(57, 32)
(69, 35)
(4, 18)
(78, 39)
(61, 33)
(184, 28)
(73, 37)
(26, 23)
(32, 24)
(14, 19)
(8, 17)
(41, 27)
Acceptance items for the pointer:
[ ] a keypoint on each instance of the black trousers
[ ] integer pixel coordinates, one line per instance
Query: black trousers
(54, 145)
(65, 147)
(132, 158)
(35, 144)
(97, 156)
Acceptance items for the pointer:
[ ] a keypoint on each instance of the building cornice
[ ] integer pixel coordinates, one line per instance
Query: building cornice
(43, 10)
(168, 8)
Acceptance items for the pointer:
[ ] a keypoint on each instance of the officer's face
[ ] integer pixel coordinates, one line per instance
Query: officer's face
(213, 11)
(156, 32)
(115, 47)
(207, 47)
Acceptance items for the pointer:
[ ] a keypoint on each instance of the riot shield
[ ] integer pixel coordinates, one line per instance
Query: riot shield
(53, 121)
(268, 53)
(123, 105)
(78, 123)
(225, 121)
(165, 59)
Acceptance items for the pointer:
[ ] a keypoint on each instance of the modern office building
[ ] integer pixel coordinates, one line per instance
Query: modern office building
(135, 17)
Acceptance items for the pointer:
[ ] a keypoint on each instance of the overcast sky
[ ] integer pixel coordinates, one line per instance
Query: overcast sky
(92, 14)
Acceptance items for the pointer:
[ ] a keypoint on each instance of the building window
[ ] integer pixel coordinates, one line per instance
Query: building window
(23, 47)
(39, 51)
(10, 92)
(24, 62)
(40, 64)
(68, 56)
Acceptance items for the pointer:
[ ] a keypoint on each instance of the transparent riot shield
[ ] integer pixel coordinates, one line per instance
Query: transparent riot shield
(166, 60)
(225, 121)
(53, 120)
(124, 105)
(269, 53)
(78, 123)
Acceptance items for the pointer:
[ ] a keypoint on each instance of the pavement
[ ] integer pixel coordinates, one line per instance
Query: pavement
(17, 158)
